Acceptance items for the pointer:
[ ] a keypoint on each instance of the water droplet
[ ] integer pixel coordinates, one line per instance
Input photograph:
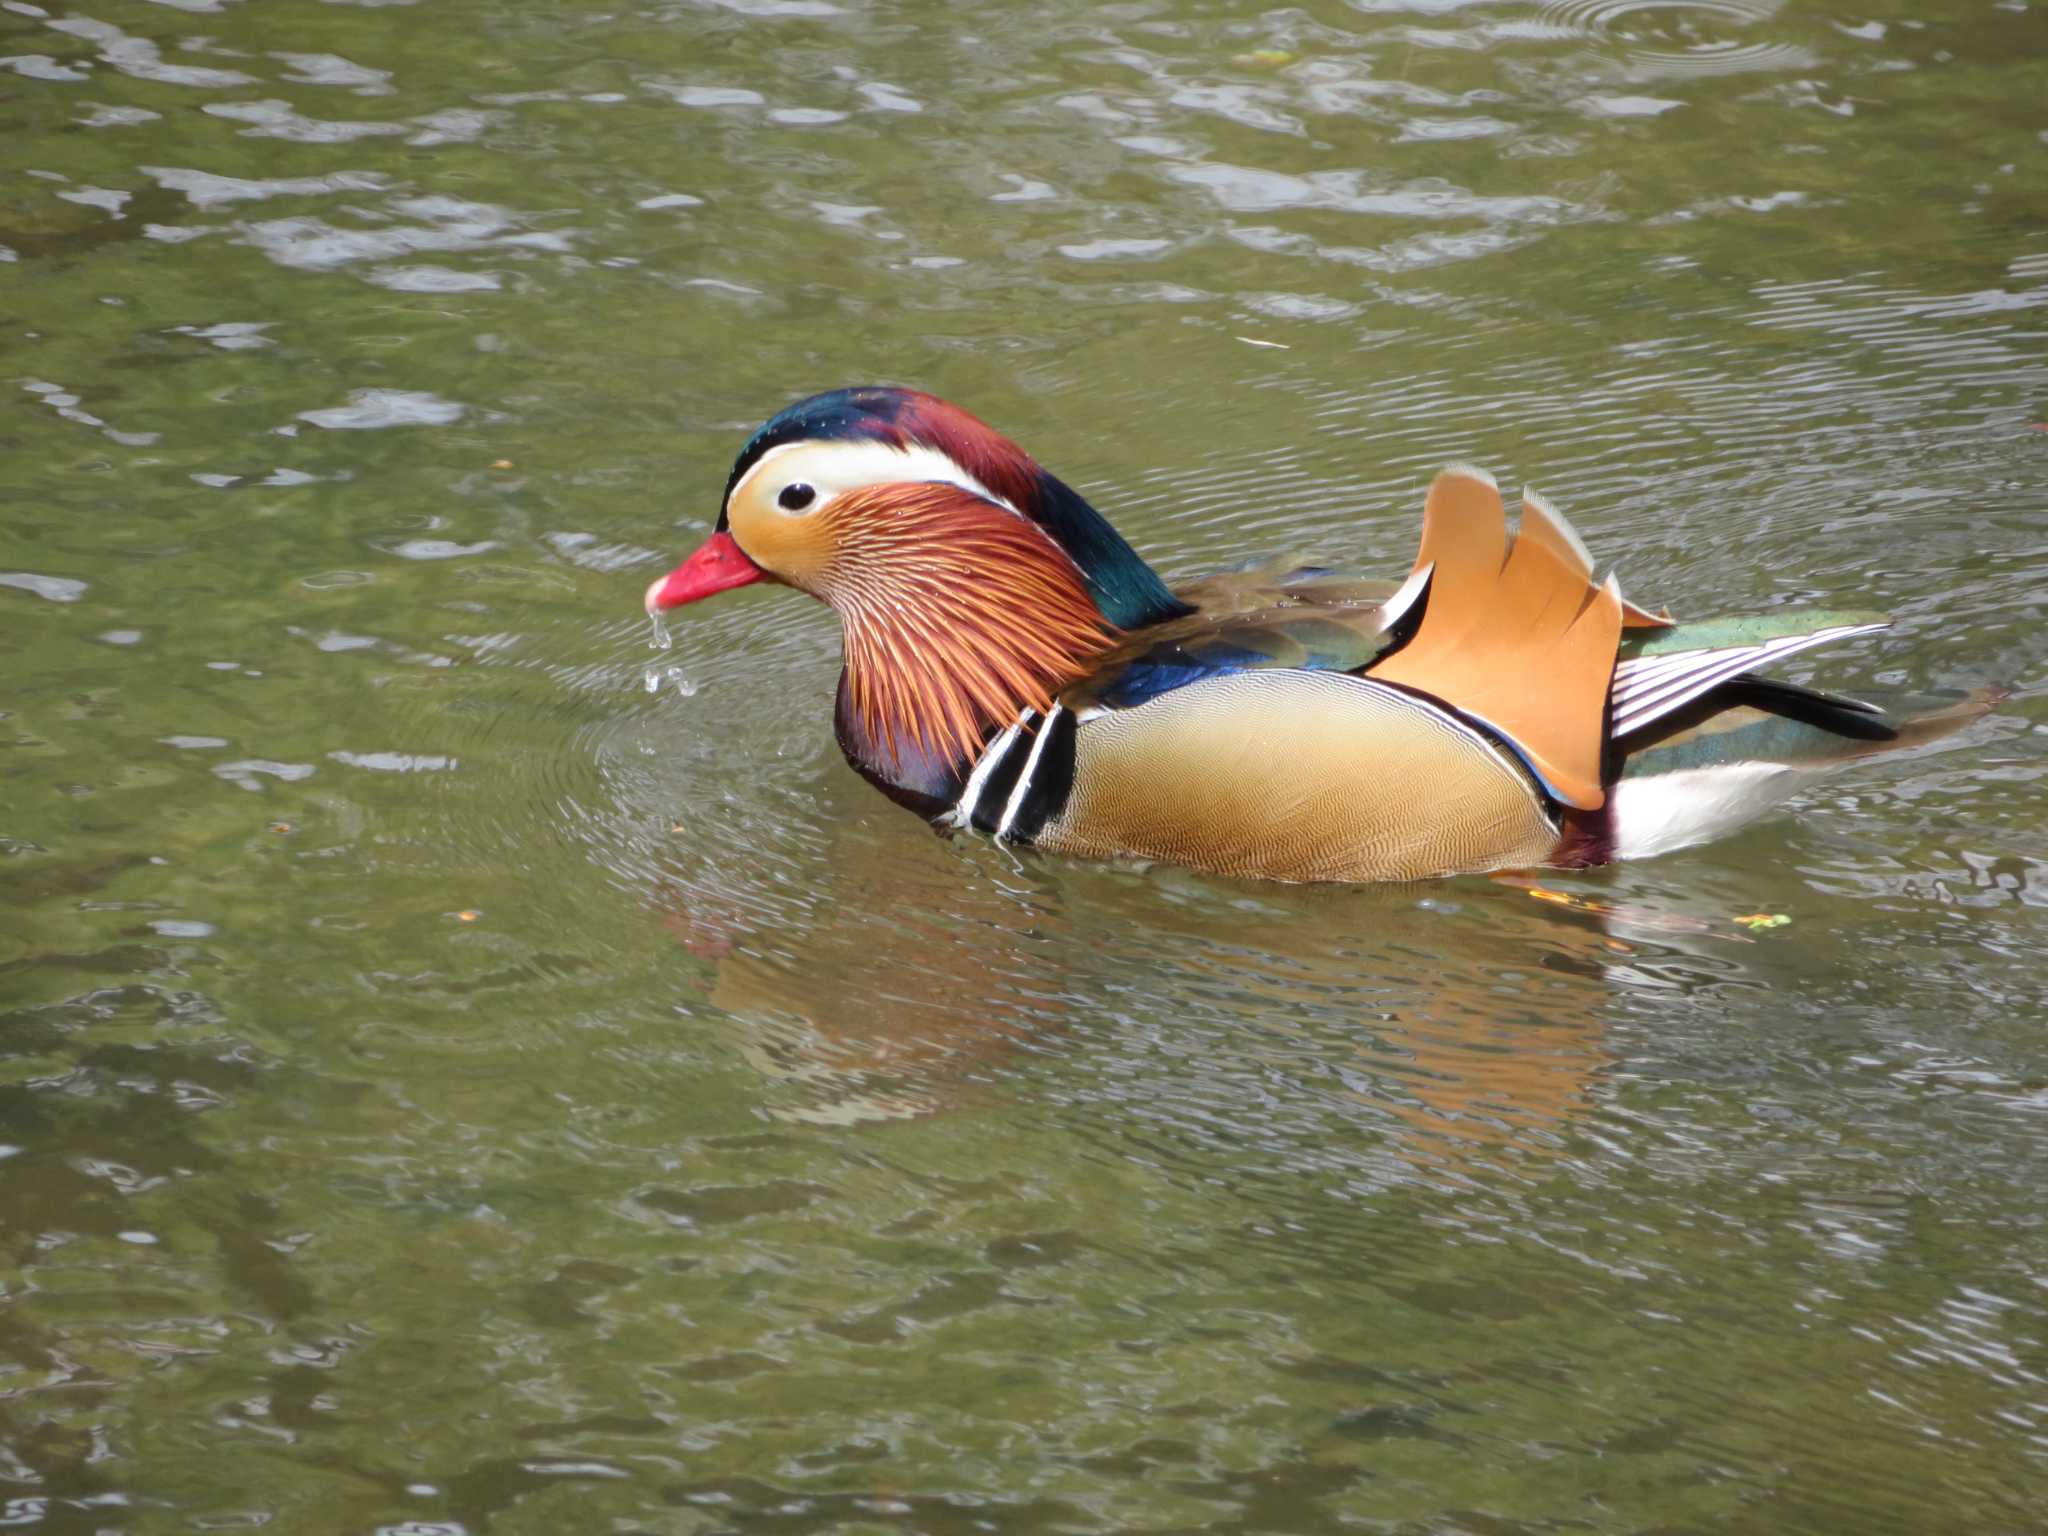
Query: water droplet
(661, 641)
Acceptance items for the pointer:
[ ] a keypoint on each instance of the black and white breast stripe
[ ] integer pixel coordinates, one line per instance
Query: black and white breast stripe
(1021, 780)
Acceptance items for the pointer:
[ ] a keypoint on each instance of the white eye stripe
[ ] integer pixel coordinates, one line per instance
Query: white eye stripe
(833, 468)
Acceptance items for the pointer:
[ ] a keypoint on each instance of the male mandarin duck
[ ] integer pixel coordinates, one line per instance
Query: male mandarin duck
(1013, 666)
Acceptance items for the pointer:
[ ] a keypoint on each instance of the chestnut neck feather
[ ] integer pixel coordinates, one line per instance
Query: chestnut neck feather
(958, 614)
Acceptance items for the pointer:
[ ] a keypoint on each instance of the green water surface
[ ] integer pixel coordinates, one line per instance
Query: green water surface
(463, 1070)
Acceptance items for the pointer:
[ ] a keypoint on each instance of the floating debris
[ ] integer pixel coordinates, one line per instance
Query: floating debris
(1756, 920)
(1644, 918)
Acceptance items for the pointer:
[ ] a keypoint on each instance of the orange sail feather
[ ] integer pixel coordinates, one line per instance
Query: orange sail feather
(1515, 634)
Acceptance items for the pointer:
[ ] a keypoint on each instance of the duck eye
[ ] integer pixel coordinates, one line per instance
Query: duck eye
(796, 497)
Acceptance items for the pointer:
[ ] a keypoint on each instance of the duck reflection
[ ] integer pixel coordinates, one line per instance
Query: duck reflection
(891, 989)
(1466, 1019)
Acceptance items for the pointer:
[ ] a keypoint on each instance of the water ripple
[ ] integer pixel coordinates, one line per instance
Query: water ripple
(753, 1153)
(1691, 22)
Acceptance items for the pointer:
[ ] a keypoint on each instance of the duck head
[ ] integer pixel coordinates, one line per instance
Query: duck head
(969, 582)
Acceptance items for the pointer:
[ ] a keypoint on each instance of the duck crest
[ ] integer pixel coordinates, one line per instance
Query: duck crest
(957, 615)
(1128, 592)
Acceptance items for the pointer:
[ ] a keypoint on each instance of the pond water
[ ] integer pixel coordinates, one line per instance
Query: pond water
(466, 1070)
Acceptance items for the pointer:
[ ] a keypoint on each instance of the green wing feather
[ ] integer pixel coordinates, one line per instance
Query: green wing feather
(1743, 629)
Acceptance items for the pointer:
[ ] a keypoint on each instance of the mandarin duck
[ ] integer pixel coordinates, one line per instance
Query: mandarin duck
(1013, 666)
